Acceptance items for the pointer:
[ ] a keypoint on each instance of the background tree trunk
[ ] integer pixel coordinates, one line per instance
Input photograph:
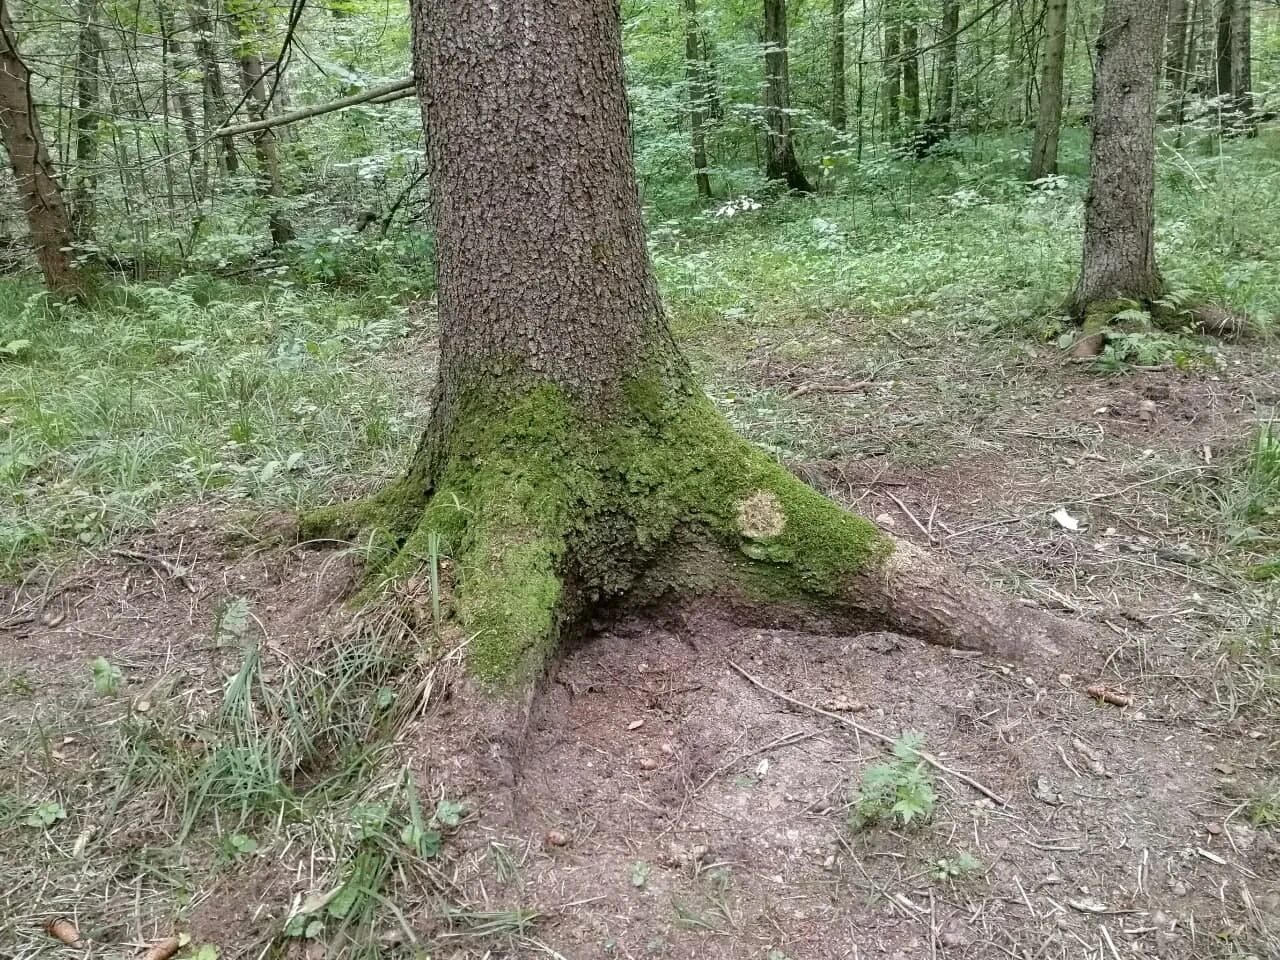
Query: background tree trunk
(839, 85)
(270, 187)
(215, 98)
(37, 184)
(892, 77)
(1119, 232)
(948, 65)
(695, 71)
(911, 73)
(781, 162)
(1242, 61)
(1044, 149)
(88, 66)
(1176, 47)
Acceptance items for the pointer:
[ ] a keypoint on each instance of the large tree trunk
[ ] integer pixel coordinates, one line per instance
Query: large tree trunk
(270, 185)
(781, 162)
(571, 462)
(37, 184)
(1044, 150)
(1119, 230)
(839, 84)
(695, 72)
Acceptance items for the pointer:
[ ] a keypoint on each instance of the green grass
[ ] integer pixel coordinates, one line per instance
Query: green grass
(283, 395)
(156, 395)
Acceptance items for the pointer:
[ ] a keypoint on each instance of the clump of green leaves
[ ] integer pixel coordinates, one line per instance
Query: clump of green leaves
(950, 869)
(44, 815)
(106, 676)
(1126, 350)
(900, 789)
(1264, 809)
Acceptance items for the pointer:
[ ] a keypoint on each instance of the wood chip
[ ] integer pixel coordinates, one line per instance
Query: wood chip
(1117, 698)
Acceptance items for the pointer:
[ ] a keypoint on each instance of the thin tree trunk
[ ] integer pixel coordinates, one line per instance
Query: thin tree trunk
(1176, 46)
(781, 162)
(1242, 61)
(1044, 150)
(88, 68)
(839, 84)
(1119, 233)
(270, 187)
(911, 73)
(1223, 51)
(892, 77)
(37, 184)
(215, 98)
(695, 71)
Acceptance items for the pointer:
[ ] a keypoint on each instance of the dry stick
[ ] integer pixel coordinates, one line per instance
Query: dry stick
(384, 94)
(928, 758)
(910, 516)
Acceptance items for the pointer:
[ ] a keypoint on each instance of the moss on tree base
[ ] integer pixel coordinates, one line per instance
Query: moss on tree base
(547, 511)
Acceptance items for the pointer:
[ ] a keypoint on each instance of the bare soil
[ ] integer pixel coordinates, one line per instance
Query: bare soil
(661, 804)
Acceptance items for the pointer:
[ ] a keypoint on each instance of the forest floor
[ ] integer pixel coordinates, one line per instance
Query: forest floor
(197, 738)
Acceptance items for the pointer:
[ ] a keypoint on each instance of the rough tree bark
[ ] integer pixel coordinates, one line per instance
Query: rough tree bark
(572, 463)
(1044, 149)
(781, 162)
(839, 83)
(695, 73)
(270, 186)
(1119, 231)
(37, 184)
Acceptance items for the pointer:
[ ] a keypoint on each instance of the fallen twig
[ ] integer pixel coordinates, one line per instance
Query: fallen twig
(172, 569)
(856, 387)
(911, 516)
(928, 758)
(1116, 698)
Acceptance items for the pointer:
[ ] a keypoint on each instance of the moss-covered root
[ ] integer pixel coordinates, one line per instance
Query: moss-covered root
(897, 586)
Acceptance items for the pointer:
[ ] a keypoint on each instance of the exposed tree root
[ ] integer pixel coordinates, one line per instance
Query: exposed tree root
(547, 513)
(1100, 320)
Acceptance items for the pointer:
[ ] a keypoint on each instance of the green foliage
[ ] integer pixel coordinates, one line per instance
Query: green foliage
(900, 789)
(44, 815)
(1264, 807)
(106, 676)
(957, 867)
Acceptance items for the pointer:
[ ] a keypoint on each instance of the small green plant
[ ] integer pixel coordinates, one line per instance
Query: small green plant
(106, 676)
(950, 869)
(901, 788)
(1148, 350)
(1264, 809)
(640, 874)
(45, 815)
(239, 845)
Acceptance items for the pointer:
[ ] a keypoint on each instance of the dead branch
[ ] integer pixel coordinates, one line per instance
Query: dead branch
(928, 758)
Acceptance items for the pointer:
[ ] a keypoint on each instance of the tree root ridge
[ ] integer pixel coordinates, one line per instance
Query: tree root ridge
(547, 513)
